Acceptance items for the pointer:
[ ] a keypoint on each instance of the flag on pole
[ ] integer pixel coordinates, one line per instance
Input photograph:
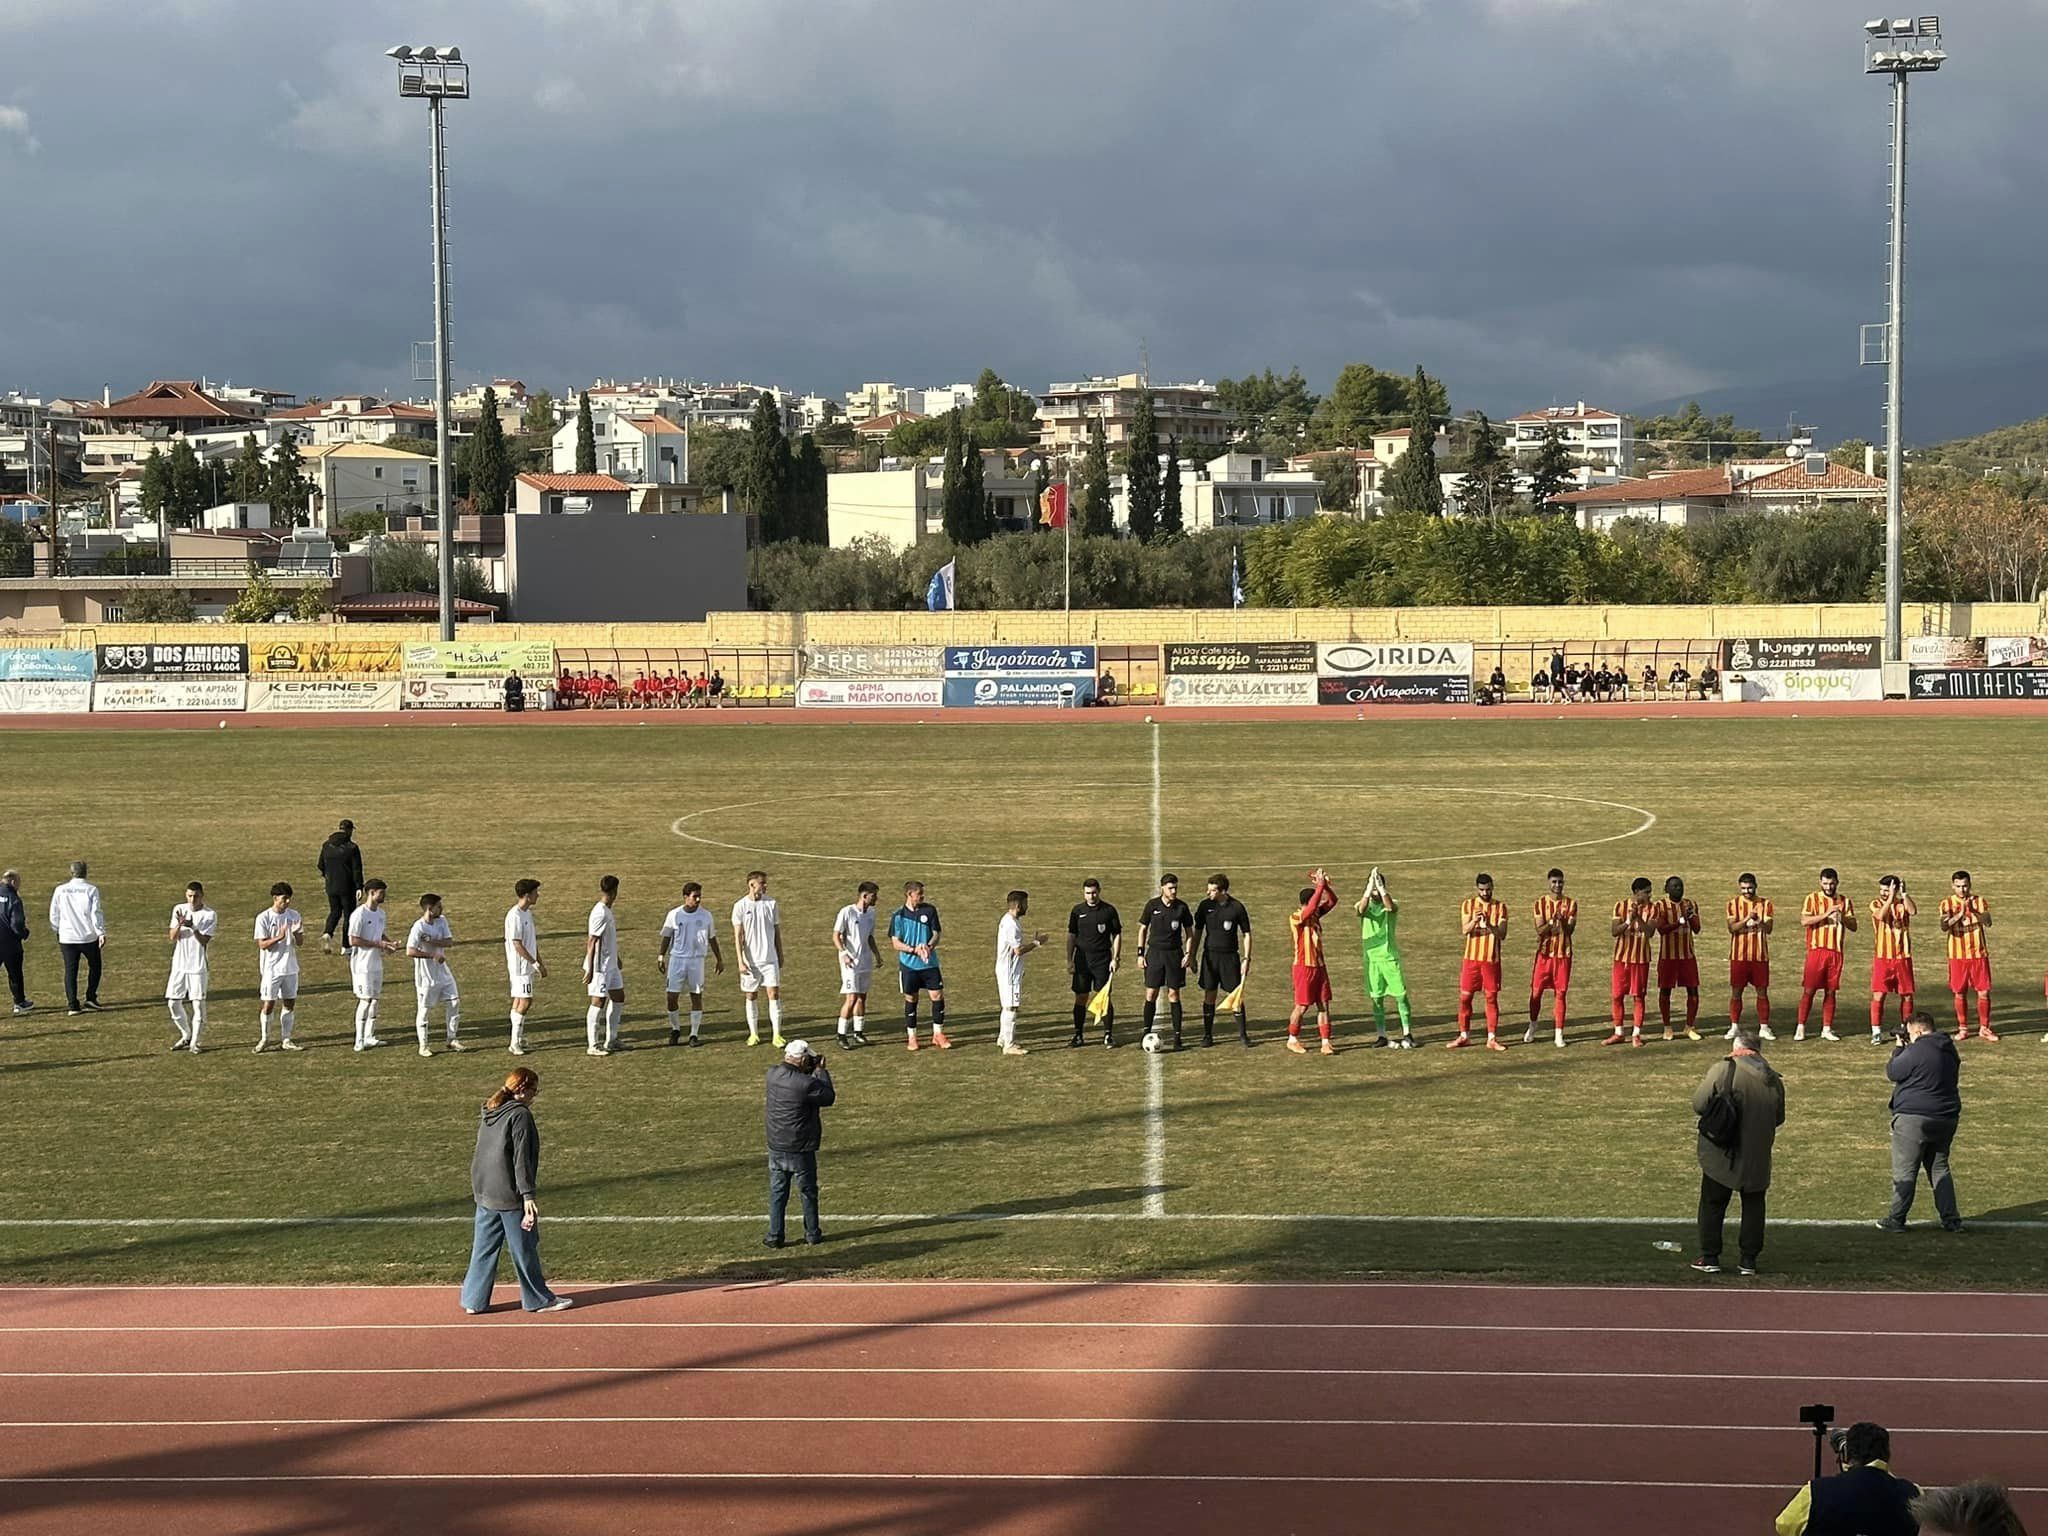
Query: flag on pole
(938, 597)
(1098, 1005)
(1236, 581)
(1052, 506)
(1233, 1000)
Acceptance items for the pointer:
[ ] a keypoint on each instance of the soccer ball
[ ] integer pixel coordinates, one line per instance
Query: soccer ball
(1151, 1041)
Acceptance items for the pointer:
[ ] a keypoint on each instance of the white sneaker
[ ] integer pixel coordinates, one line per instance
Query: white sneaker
(425, 1051)
(289, 1045)
(1015, 1050)
(596, 1050)
(360, 1048)
(260, 1044)
(1799, 1033)
(455, 1044)
(559, 1304)
(1559, 1041)
(1829, 1034)
(516, 1049)
(1731, 1032)
(1765, 1033)
(752, 1038)
(1530, 1037)
(373, 1043)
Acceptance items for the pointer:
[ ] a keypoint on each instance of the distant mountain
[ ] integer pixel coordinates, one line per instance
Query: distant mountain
(2024, 445)
(1941, 403)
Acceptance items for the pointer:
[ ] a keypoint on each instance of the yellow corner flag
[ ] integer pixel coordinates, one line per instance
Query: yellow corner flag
(1233, 1000)
(1098, 1005)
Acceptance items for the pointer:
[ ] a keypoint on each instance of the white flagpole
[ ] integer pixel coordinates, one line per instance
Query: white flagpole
(1067, 528)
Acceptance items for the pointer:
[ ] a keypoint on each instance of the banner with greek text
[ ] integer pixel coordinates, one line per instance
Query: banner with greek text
(1215, 690)
(1260, 658)
(451, 693)
(880, 661)
(478, 658)
(32, 666)
(124, 695)
(173, 661)
(870, 693)
(322, 695)
(54, 696)
(1796, 686)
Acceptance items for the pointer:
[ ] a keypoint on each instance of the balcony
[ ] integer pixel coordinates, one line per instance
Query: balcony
(20, 563)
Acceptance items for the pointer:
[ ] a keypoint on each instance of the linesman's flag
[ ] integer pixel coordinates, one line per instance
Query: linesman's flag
(1052, 506)
(1233, 1000)
(1098, 1005)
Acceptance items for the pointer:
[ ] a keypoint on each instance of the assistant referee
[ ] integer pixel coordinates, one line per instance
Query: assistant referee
(1095, 942)
(1225, 932)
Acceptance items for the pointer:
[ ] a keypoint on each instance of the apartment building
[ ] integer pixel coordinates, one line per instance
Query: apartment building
(1600, 441)
(1186, 411)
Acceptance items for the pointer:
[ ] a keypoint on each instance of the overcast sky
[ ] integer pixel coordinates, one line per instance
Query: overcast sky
(1540, 200)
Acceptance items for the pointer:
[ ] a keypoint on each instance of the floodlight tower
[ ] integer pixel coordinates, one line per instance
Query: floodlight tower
(438, 75)
(1906, 45)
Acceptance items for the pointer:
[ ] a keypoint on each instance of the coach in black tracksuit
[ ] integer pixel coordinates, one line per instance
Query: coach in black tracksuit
(341, 872)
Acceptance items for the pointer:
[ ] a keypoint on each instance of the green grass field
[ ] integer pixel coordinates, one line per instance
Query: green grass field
(1253, 1147)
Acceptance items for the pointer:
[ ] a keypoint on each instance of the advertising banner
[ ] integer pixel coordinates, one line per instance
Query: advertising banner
(478, 658)
(1395, 688)
(977, 660)
(880, 661)
(322, 695)
(45, 697)
(2015, 651)
(1944, 651)
(1981, 683)
(451, 693)
(344, 658)
(1230, 658)
(174, 661)
(871, 692)
(1395, 659)
(28, 666)
(1823, 653)
(1805, 687)
(1214, 690)
(1018, 692)
(122, 695)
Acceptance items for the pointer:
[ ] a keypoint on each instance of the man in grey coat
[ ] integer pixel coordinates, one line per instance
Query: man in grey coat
(1758, 1094)
(798, 1087)
(1927, 1102)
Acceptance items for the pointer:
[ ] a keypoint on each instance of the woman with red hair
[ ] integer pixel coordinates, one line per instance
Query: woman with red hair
(503, 1176)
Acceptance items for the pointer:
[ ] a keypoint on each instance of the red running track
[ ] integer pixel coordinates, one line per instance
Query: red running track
(1020, 1408)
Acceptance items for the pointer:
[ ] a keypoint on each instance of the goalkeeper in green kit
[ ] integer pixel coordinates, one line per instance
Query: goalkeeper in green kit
(1378, 917)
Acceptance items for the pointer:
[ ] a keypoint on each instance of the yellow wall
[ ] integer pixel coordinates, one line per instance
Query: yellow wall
(1515, 626)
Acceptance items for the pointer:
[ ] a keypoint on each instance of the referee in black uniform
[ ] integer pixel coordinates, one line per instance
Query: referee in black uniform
(1225, 931)
(1166, 932)
(1095, 941)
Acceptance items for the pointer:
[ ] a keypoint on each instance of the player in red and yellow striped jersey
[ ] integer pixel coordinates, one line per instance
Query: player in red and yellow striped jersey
(1311, 975)
(1632, 927)
(1965, 917)
(1557, 918)
(1678, 924)
(1483, 923)
(1891, 963)
(1828, 917)
(1750, 921)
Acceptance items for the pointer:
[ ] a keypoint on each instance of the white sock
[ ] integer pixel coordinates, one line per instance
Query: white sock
(1006, 1030)
(362, 1022)
(696, 1021)
(178, 1018)
(284, 1025)
(775, 1014)
(518, 1026)
(419, 1025)
(198, 1019)
(263, 1029)
(615, 1015)
(753, 1016)
(675, 1022)
(454, 1017)
(860, 1023)
(844, 1020)
(593, 1021)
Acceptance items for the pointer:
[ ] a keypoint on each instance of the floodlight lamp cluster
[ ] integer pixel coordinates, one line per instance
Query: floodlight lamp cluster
(430, 71)
(1904, 43)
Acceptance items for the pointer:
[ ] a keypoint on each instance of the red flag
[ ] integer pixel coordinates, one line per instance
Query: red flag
(1052, 506)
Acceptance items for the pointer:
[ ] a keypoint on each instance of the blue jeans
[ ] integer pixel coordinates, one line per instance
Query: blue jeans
(803, 1168)
(496, 1230)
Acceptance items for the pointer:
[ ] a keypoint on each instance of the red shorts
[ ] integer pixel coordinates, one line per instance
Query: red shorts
(1749, 973)
(1823, 971)
(1311, 986)
(1679, 973)
(1479, 976)
(1631, 978)
(1552, 973)
(1973, 975)
(1892, 976)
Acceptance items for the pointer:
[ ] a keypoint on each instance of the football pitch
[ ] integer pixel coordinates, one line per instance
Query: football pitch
(120, 1161)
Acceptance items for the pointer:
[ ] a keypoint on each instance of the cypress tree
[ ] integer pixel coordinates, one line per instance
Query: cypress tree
(768, 472)
(490, 468)
(1098, 512)
(1413, 485)
(1141, 472)
(1551, 473)
(586, 437)
(1170, 525)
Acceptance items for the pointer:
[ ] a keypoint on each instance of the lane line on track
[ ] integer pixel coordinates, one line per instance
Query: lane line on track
(726, 1287)
(815, 1479)
(1157, 1324)
(1635, 1425)
(1802, 1378)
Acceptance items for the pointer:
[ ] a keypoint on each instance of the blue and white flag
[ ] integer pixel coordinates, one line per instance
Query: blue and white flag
(938, 597)
(1236, 581)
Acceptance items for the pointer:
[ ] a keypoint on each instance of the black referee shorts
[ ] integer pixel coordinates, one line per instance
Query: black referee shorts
(1089, 975)
(1221, 971)
(1165, 969)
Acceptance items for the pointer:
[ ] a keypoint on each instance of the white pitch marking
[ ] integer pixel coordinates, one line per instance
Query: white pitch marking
(1155, 1069)
(1313, 1218)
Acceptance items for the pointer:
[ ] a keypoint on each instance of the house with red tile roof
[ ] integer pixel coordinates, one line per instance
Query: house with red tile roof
(547, 495)
(1680, 498)
(358, 419)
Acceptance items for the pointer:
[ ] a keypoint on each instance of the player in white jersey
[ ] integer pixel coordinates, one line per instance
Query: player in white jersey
(1011, 948)
(427, 946)
(522, 957)
(757, 945)
(368, 944)
(603, 981)
(193, 924)
(853, 941)
(687, 936)
(279, 933)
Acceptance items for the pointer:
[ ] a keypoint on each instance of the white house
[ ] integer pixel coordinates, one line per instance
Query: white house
(571, 495)
(357, 419)
(1232, 490)
(1680, 498)
(1187, 411)
(367, 477)
(903, 505)
(1600, 441)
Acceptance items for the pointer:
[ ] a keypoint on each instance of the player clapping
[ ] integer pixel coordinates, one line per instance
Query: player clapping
(1829, 918)
(914, 934)
(1966, 919)
(280, 930)
(1891, 963)
(1631, 927)
(1677, 919)
(367, 947)
(1311, 973)
(427, 946)
(1483, 923)
(1379, 918)
(1557, 919)
(1750, 921)
(193, 924)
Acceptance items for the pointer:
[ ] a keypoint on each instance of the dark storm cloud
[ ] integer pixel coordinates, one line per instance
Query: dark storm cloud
(1539, 199)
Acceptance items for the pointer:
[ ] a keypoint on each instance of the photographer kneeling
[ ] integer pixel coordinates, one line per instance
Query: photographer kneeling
(1926, 1105)
(1863, 1499)
(798, 1087)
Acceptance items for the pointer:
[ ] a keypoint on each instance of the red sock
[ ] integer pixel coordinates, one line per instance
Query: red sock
(1323, 1028)
(1664, 1008)
(1535, 1006)
(1827, 1011)
(1805, 1008)
(1962, 1012)
(1735, 1009)
(1294, 1028)
(1692, 1009)
(1614, 1012)
(1557, 1010)
(1465, 1014)
(1492, 1013)
(1905, 1008)
(1763, 1011)
(1984, 1012)
(1639, 1013)
(1876, 1014)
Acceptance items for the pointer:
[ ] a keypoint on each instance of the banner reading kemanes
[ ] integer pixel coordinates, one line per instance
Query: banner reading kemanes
(173, 661)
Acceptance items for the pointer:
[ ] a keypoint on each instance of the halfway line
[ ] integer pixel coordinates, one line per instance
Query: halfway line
(1155, 1071)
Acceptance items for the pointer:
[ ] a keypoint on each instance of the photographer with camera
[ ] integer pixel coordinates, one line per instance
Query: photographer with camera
(1862, 1499)
(798, 1087)
(1926, 1104)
